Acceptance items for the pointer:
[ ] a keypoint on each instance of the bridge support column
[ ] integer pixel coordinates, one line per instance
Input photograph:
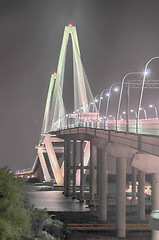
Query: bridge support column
(67, 167)
(92, 177)
(121, 196)
(82, 171)
(98, 170)
(74, 169)
(134, 173)
(155, 200)
(103, 185)
(141, 195)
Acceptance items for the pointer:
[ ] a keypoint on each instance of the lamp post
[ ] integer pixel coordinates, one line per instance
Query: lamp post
(118, 108)
(144, 112)
(95, 101)
(106, 111)
(111, 116)
(142, 89)
(153, 106)
(134, 112)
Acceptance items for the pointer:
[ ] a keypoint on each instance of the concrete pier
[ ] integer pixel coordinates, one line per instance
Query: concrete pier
(103, 186)
(82, 171)
(92, 183)
(141, 195)
(121, 196)
(74, 169)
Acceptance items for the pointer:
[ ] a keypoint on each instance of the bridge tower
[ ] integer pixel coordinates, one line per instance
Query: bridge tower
(54, 114)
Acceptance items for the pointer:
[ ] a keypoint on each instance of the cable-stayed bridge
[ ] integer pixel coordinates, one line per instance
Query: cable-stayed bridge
(73, 144)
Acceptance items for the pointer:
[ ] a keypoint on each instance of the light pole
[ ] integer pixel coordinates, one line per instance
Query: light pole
(111, 116)
(144, 112)
(134, 112)
(118, 108)
(142, 89)
(100, 99)
(153, 106)
(106, 111)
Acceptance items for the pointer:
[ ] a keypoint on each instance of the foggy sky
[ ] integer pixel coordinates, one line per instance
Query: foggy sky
(115, 37)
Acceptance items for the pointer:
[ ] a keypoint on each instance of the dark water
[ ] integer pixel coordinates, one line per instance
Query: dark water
(72, 211)
(53, 201)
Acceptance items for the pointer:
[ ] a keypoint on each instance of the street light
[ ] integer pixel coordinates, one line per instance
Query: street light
(106, 112)
(144, 112)
(153, 106)
(134, 112)
(118, 109)
(111, 116)
(142, 89)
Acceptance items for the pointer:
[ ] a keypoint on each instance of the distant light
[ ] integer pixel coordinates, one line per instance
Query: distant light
(91, 103)
(66, 115)
(131, 110)
(77, 110)
(81, 107)
(124, 112)
(150, 105)
(101, 98)
(107, 94)
(116, 89)
(96, 100)
(54, 73)
(70, 25)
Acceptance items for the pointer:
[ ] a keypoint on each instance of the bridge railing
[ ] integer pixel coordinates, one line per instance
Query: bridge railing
(145, 126)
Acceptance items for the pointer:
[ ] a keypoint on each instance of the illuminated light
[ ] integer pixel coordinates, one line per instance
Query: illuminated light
(70, 25)
(147, 72)
(124, 112)
(107, 94)
(101, 98)
(116, 89)
(131, 110)
(96, 100)
(54, 73)
(150, 105)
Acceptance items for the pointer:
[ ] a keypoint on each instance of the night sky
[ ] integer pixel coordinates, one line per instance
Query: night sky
(115, 37)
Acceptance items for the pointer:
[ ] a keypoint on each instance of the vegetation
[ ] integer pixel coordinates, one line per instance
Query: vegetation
(19, 221)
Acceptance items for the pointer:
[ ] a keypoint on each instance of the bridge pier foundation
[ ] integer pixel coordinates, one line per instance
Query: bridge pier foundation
(92, 177)
(121, 196)
(103, 186)
(141, 195)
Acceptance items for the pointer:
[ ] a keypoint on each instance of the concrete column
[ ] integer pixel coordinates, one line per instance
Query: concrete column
(74, 169)
(141, 195)
(65, 166)
(68, 169)
(121, 196)
(103, 189)
(155, 200)
(134, 173)
(92, 178)
(82, 171)
(99, 156)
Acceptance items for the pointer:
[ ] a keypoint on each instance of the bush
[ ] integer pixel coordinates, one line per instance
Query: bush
(14, 217)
